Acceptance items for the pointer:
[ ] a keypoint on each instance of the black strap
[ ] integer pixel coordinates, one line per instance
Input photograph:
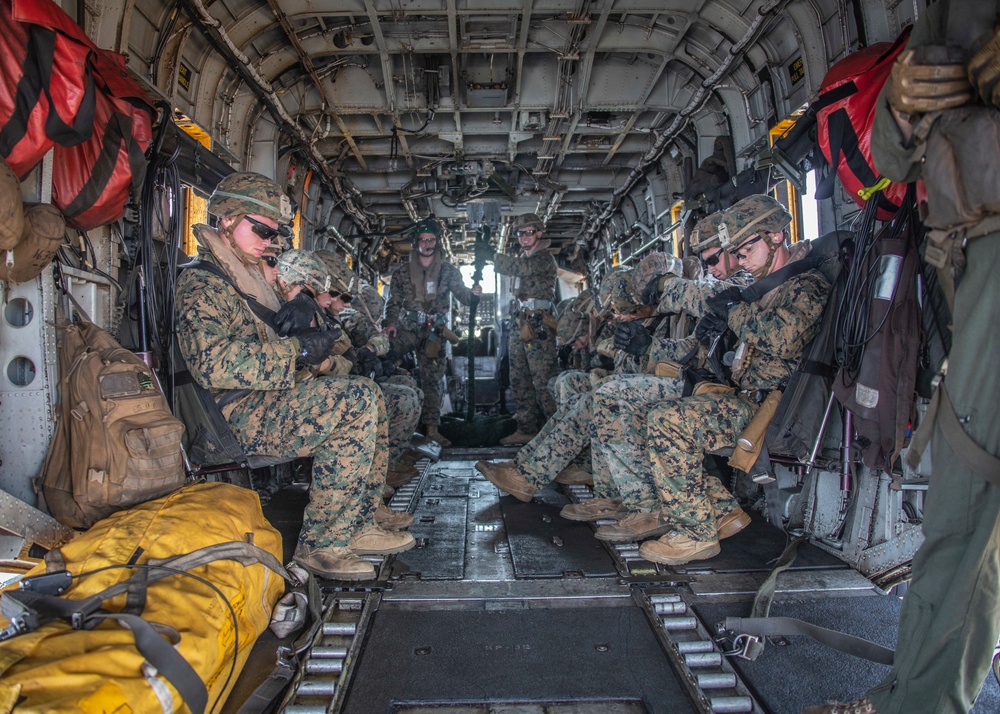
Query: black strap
(762, 287)
(118, 129)
(265, 313)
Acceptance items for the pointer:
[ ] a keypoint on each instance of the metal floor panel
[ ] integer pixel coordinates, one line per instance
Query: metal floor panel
(420, 657)
(440, 530)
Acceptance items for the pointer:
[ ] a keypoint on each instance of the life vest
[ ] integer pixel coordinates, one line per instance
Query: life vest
(845, 112)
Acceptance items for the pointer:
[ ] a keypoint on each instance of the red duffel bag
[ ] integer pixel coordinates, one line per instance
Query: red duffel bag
(47, 93)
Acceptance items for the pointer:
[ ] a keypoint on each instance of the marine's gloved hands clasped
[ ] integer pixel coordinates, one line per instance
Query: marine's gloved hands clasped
(367, 363)
(653, 291)
(721, 303)
(632, 337)
(296, 315)
(709, 327)
(932, 81)
(315, 345)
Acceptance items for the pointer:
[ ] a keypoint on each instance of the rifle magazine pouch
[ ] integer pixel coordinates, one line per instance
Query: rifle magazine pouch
(668, 369)
(964, 147)
(525, 330)
(432, 346)
(549, 320)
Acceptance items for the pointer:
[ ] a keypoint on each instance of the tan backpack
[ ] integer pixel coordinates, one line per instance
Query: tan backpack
(116, 443)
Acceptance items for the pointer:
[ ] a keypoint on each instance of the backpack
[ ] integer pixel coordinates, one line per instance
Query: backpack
(116, 443)
(845, 112)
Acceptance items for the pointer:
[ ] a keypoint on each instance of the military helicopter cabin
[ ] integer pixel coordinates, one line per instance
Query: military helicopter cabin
(620, 123)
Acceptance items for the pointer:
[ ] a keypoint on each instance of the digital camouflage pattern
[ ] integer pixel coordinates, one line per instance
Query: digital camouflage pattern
(403, 406)
(342, 278)
(749, 216)
(679, 434)
(652, 266)
(535, 275)
(558, 443)
(299, 267)
(341, 423)
(705, 234)
(570, 383)
(620, 442)
(402, 294)
(528, 219)
(532, 365)
(777, 328)
(250, 193)
(681, 295)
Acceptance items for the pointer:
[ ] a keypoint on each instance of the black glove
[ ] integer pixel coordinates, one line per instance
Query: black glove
(366, 362)
(709, 327)
(633, 338)
(652, 293)
(351, 356)
(296, 315)
(564, 353)
(721, 303)
(315, 345)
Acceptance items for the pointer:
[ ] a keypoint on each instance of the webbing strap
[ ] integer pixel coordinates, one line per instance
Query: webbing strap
(782, 626)
(760, 288)
(974, 457)
(265, 313)
(765, 595)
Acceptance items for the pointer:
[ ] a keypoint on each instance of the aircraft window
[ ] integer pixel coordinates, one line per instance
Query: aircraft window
(19, 312)
(21, 371)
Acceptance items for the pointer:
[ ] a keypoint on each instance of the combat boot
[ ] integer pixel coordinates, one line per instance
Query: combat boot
(392, 520)
(333, 563)
(633, 527)
(388, 491)
(858, 706)
(575, 476)
(732, 523)
(676, 548)
(375, 540)
(518, 438)
(434, 435)
(596, 509)
(399, 475)
(506, 477)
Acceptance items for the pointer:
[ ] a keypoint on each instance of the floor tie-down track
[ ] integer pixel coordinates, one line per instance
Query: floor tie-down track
(506, 606)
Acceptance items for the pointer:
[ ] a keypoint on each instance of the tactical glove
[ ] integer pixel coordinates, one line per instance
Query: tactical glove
(652, 292)
(315, 345)
(296, 315)
(367, 361)
(633, 338)
(934, 81)
(721, 303)
(984, 70)
(709, 327)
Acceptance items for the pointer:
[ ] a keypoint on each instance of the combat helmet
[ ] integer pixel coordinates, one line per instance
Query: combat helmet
(615, 294)
(373, 302)
(528, 219)
(653, 266)
(706, 233)
(299, 267)
(246, 192)
(759, 213)
(427, 225)
(342, 278)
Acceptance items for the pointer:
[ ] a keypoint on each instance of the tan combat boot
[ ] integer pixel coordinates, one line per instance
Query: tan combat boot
(858, 706)
(333, 563)
(506, 477)
(434, 435)
(388, 491)
(392, 520)
(596, 509)
(676, 548)
(575, 476)
(400, 474)
(375, 540)
(633, 527)
(732, 523)
(518, 438)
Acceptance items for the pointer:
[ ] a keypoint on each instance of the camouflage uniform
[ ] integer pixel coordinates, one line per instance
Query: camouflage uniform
(532, 362)
(336, 421)
(400, 312)
(680, 432)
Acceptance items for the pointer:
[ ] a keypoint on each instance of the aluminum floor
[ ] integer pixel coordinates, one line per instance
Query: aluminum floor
(506, 607)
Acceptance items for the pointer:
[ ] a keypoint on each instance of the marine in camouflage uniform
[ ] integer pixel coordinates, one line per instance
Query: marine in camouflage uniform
(226, 346)
(402, 402)
(618, 429)
(772, 333)
(416, 288)
(533, 359)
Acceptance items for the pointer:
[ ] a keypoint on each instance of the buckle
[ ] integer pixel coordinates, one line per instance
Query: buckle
(285, 657)
(748, 647)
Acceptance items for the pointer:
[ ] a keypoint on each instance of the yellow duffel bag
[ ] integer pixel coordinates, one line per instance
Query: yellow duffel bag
(162, 604)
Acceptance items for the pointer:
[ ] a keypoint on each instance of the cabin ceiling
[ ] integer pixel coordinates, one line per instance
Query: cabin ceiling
(591, 113)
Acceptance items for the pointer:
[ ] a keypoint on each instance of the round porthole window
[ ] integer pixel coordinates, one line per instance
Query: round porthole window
(18, 312)
(21, 371)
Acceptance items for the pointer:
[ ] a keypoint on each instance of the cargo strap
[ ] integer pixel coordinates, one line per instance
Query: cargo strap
(752, 630)
(760, 288)
(38, 602)
(941, 412)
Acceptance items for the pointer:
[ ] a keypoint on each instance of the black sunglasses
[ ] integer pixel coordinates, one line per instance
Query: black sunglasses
(527, 231)
(713, 259)
(344, 297)
(266, 232)
(271, 260)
